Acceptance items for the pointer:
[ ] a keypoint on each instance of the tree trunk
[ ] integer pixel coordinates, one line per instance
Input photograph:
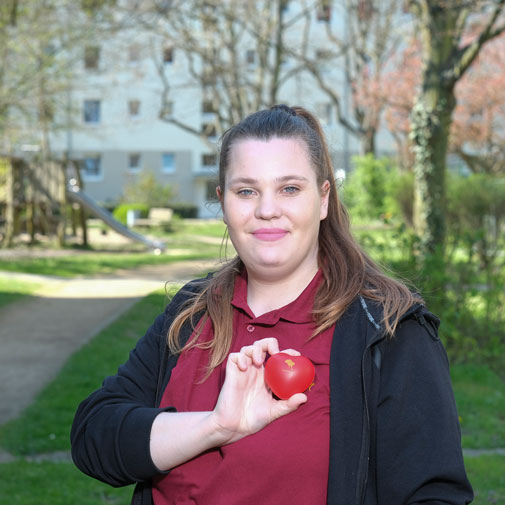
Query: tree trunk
(368, 142)
(430, 122)
(279, 52)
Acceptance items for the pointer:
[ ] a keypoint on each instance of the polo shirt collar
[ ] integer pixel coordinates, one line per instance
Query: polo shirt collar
(297, 311)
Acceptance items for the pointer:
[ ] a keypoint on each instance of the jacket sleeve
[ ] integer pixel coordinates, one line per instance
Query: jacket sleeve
(110, 434)
(419, 456)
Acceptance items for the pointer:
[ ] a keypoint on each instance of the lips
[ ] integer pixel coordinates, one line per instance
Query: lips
(269, 234)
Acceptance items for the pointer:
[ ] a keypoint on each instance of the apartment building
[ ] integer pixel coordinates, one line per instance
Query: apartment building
(115, 127)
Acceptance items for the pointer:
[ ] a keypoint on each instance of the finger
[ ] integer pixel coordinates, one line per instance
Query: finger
(255, 353)
(296, 400)
(240, 360)
(270, 345)
(292, 352)
(258, 350)
(284, 407)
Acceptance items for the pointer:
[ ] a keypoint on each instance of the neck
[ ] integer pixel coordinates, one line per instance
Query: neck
(266, 293)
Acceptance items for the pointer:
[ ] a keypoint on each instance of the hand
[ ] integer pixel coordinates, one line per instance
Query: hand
(245, 404)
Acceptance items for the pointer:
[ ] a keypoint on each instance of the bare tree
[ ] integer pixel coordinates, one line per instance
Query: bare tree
(453, 33)
(361, 45)
(235, 54)
(38, 44)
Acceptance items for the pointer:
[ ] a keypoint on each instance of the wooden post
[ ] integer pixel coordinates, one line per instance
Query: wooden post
(61, 200)
(82, 211)
(30, 211)
(10, 210)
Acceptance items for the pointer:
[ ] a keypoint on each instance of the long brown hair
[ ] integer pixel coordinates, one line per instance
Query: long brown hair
(347, 270)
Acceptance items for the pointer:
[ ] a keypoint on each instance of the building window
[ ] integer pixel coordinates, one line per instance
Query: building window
(209, 130)
(250, 56)
(133, 54)
(168, 54)
(208, 107)
(210, 191)
(168, 162)
(46, 111)
(209, 160)
(366, 10)
(91, 57)
(167, 109)
(91, 167)
(134, 108)
(208, 77)
(324, 10)
(91, 111)
(134, 162)
(209, 19)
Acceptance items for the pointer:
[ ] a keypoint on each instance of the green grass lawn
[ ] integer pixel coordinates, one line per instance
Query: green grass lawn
(12, 290)
(44, 427)
(487, 475)
(480, 396)
(24, 483)
(99, 263)
(191, 241)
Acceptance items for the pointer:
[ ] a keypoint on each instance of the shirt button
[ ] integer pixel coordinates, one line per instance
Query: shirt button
(250, 328)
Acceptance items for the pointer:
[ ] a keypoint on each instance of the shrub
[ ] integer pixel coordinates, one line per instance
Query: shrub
(375, 189)
(121, 211)
(144, 188)
(184, 210)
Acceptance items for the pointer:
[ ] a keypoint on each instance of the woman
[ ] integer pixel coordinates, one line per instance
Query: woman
(194, 422)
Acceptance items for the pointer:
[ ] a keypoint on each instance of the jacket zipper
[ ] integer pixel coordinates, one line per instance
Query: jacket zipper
(363, 479)
(363, 474)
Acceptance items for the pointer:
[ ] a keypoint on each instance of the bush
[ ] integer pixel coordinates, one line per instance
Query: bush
(376, 189)
(144, 188)
(401, 196)
(476, 216)
(121, 211)
(184, 210)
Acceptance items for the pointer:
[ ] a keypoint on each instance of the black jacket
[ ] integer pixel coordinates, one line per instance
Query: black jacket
(394, 430)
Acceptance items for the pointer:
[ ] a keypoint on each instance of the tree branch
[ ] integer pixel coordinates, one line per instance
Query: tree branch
(467, 54)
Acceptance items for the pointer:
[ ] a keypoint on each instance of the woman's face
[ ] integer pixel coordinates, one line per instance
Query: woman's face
(273, 206)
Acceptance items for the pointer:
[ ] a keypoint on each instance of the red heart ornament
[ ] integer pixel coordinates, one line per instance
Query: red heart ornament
(286, 375)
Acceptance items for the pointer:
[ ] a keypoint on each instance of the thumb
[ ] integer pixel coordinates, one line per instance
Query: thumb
(283, 407)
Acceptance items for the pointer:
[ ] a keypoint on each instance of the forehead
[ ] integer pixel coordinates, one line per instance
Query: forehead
(274, 155)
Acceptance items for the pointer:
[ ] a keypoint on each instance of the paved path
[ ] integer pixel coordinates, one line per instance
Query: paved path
(38, 334)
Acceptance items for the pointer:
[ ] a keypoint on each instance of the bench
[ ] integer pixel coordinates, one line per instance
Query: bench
(158, 216)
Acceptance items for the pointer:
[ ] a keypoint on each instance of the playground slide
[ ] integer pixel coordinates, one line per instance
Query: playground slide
(76, 195)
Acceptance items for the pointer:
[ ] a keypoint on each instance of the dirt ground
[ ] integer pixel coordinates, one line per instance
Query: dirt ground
(39, 333)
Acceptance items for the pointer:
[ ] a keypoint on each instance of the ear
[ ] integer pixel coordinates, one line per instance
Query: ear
(219, 194)
(325, 196)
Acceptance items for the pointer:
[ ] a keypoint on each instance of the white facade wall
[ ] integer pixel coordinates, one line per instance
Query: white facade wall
(119, 135)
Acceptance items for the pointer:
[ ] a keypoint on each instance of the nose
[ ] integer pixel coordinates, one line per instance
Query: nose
(268, 207)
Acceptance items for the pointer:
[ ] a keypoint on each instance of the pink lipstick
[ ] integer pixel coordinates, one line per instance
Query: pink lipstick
(269, 234)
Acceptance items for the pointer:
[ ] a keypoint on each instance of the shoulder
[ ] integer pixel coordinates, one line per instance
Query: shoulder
(187, 293)
(415, 313)
(416, 347)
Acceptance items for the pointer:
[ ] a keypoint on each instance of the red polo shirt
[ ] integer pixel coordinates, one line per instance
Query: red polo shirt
(287, 461)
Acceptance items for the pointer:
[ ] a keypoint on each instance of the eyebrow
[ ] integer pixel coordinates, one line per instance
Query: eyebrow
(250, 180)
